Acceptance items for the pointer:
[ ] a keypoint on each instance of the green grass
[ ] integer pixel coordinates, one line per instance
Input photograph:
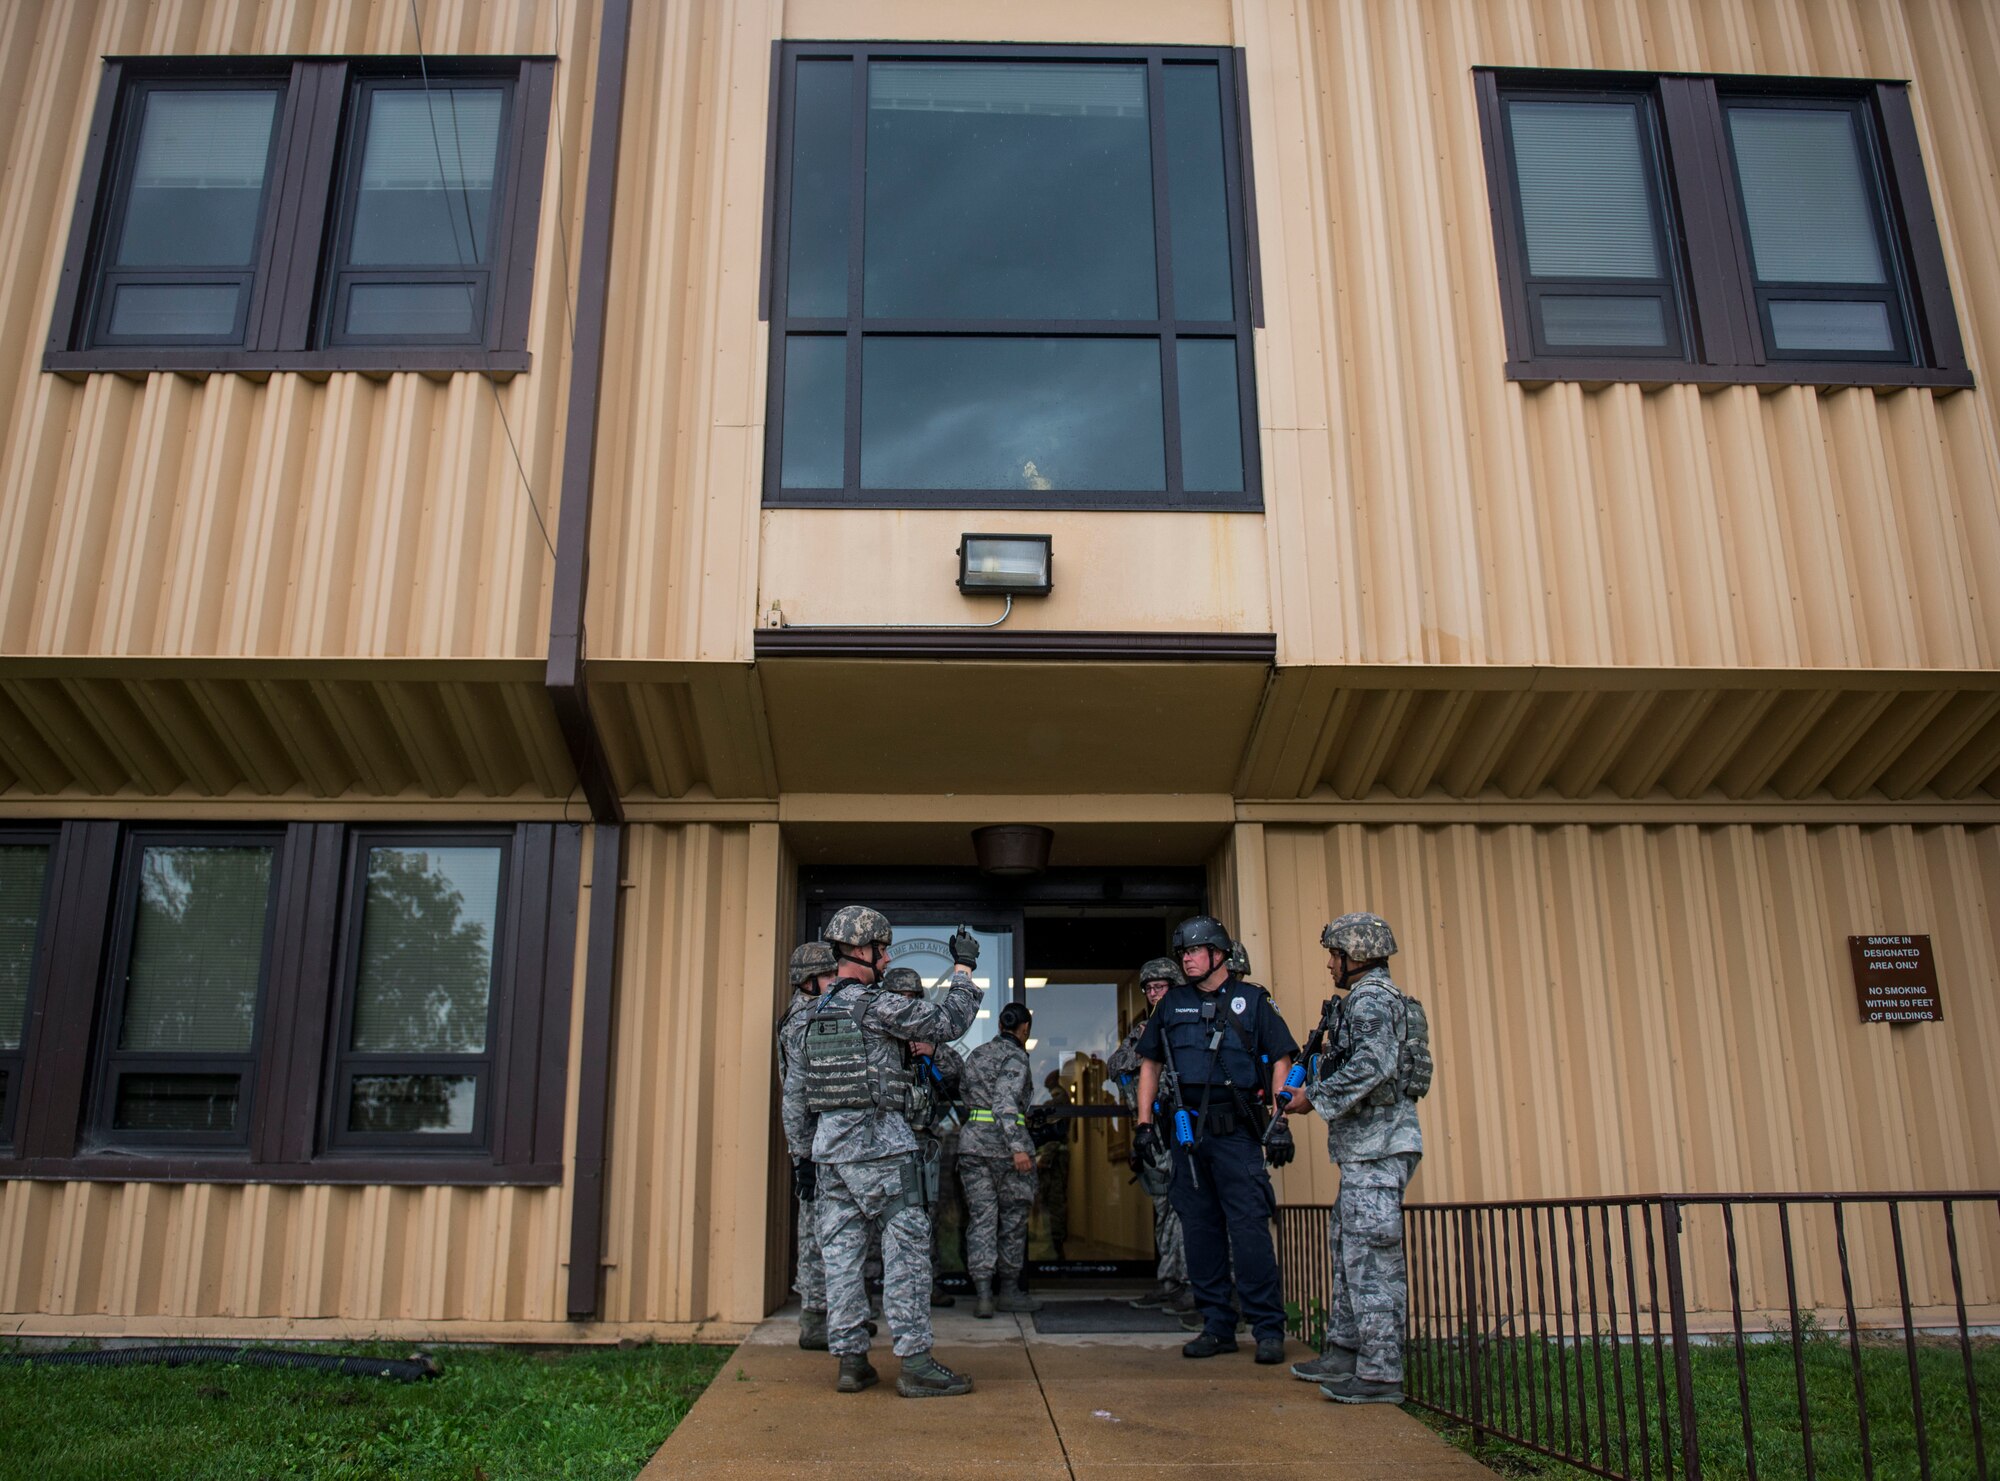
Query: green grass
(1773, 1408)
(496, 1414)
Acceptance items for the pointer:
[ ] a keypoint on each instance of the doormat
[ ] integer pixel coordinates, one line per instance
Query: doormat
(1074, 1318)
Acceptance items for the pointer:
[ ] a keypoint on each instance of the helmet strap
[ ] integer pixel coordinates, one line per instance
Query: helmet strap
(874, 971)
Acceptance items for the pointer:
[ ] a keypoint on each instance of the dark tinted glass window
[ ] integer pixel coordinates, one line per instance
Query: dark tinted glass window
(188, 980)
(417, 244)
(419, 1016)
(1818, 248)
(1586, 187)
(1032, 232)
(190, 209)
(24, 869)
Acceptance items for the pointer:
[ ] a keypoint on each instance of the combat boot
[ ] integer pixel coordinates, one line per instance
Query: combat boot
(942, 1298)
(1153, 1300)
(812, 1331)
(856, 1373)
(982, 1303)
(1181, 1303)
(1351, 1388)
(1270, 1350)
(1013, 1298)
(924, 1377)
(1335, 1362)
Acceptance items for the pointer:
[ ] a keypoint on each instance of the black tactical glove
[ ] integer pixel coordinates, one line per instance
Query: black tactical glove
(1146, 1146)
(1279, 1148)
(964, 948)
(805, 1179)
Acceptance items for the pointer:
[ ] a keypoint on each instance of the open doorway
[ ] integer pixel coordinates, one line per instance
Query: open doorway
(1068, 944)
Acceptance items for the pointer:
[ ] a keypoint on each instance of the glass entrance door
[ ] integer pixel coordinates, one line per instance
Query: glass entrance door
(1090, 1216)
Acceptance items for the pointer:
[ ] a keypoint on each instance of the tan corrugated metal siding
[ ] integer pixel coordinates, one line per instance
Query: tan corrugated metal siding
(690, 1184)
(1669, 1009)
(230, 515)
(1424, 510)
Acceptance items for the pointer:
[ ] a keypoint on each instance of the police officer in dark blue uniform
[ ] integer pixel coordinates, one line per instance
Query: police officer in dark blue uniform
(1225, 1041)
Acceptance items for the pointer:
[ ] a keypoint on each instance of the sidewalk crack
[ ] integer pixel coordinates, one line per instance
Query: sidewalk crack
(1042, 1389)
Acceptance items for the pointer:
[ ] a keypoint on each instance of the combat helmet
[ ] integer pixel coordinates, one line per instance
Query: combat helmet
(1162, 967)
(857, 925)
(904, 980)
(1201, 930)
(1239, 960)
(1364, 937)
(812, 959)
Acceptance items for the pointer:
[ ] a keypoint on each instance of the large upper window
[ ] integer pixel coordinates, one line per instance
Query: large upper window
(1010, 281)
(1695, 228)
(256, 214)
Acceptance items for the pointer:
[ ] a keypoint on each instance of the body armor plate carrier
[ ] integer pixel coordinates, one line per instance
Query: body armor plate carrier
(836, 1055)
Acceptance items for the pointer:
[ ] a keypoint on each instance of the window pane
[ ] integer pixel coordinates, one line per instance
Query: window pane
(1821, 324)
(198, 178)
(427, 173)
(408, 1103)
(1623, 322)
(1197, 202)
(197, 950)
(1028, 414)
(822, 151)
(177, 1102)
(1211, 431)
(815, 412)
(1811, 220)
(160, 310)
(1009, 190)
(412, 310)
(1583, 179)
(426, 971)
(23, 870)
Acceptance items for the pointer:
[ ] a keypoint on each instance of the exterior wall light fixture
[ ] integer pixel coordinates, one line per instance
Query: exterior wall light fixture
(1006, 565)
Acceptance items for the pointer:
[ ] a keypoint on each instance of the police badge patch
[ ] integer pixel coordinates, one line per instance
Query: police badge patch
(1237, 1005)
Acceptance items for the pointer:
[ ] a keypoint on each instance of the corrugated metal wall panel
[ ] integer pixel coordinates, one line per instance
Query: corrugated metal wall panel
(1670, 1009)
(284, 516)
(685, 1234)
(1424, 510)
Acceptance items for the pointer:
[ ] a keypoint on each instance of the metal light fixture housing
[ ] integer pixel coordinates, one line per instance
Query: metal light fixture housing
(1012, 849)
(1006, 565)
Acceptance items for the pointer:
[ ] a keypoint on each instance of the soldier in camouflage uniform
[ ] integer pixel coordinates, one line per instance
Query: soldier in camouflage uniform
(930, 1114)
(996, 1165)
(853, 1068)
(1372, 1134)
(1170, 1283)
(812, 966)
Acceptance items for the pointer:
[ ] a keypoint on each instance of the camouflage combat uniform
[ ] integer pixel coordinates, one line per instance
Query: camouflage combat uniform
(1168, 1244)
(868, 1171)
(1372, 1133)
(997, 1197)
(810, 1277)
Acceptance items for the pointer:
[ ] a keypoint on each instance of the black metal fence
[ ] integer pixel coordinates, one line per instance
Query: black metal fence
(1796, 1334)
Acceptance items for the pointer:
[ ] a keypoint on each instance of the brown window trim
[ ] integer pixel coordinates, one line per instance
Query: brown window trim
(530, 1059)
(283, 333)
(1718, 297)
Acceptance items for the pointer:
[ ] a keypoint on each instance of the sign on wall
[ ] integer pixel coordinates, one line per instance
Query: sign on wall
(1895, 978)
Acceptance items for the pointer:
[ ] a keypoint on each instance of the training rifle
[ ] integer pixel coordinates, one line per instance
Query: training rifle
(1305, 1064)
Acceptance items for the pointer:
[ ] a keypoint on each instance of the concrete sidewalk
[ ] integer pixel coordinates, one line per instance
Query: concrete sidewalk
(1112, 1407)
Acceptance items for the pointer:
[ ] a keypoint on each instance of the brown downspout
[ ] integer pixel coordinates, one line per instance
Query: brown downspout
(565, 678)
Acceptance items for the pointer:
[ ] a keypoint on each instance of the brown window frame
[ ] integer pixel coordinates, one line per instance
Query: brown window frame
(346, 1064)
(14, 1062)
(287, 319)
(295, 1039)
(110, 1064)
(1723, 335)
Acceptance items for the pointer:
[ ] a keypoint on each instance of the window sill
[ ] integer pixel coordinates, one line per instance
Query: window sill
(196, 1167)
(423, 359)
(1826, 375)
(1138, 503)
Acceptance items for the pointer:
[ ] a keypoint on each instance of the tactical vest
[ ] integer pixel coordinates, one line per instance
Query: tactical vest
(1231, 1061)
(839, 1075)
(1412, 1079)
